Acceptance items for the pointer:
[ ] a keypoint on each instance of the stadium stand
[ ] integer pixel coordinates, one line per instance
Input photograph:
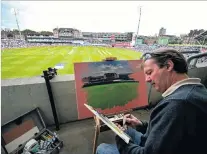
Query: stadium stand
(202, 38)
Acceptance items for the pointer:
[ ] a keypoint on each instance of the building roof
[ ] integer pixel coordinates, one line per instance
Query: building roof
(69, 29)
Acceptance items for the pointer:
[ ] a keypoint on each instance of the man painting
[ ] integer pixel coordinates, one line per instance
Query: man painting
(178, 123)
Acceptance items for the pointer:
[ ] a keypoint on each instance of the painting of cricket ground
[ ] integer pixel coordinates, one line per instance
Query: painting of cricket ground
(109, 86)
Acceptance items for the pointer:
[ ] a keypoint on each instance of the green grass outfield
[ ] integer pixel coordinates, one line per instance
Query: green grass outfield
(112, 95)
(29, 62)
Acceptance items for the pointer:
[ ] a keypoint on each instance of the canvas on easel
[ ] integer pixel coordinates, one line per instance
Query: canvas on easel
(110, 124)
(109, 86)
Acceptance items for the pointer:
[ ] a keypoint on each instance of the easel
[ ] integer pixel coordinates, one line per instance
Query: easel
(100, 126)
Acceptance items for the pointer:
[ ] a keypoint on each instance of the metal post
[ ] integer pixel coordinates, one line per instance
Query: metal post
(47, 76)
(139, 21)
(15, 13)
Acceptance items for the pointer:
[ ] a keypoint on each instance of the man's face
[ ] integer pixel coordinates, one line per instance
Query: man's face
(158, 77)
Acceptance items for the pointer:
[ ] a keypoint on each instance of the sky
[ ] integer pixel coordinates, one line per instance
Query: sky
(106, 16)
(99, 68)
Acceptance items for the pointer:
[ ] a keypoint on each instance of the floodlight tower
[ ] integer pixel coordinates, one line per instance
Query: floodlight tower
(140, 13)
(14, 11)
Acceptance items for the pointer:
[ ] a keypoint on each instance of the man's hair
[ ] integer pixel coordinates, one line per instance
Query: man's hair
(163, 55)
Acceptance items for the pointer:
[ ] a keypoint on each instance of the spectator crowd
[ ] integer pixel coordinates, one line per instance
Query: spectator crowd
(17, 43)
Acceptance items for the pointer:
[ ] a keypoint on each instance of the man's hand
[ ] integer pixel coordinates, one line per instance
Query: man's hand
(131, 120)
(120, 127)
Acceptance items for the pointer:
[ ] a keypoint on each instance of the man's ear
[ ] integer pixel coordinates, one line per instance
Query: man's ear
(170, 65)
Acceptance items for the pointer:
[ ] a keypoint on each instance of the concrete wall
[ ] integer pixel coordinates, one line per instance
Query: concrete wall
(21, 95)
